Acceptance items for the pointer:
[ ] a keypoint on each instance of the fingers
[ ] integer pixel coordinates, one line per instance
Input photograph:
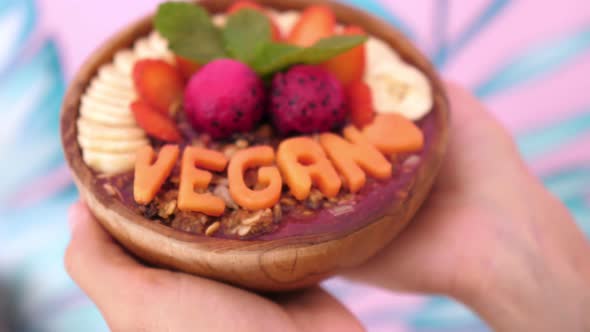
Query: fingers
(317, 310)
(479, 161)
(133, 297)
(464, 105)
(104, 271)
(478, 143)
(93, 254)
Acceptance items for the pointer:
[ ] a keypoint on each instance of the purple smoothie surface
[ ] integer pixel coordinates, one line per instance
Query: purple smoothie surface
(369, 204)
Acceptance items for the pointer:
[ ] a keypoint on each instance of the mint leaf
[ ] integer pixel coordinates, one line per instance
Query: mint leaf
(247, 37)
(274, 57)
(189, 31)
(246, 33)
(328, 48)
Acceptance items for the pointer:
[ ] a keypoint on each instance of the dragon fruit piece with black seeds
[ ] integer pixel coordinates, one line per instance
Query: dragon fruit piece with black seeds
(223, 98)
(307, 99)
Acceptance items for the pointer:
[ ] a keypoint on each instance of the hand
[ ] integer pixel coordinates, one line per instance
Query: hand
(491, 236)
(133, 297)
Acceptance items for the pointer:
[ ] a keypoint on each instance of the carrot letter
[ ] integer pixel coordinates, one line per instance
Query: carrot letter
(302, 161)
(393, 133)
(150, 175)
(350, 159)
(192, 178)
(268, 176)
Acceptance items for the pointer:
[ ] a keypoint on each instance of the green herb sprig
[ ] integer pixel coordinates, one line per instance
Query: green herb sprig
(247, 37)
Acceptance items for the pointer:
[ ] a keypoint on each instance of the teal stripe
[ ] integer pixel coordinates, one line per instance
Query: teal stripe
(440, 30)
(23, 13)
(375, 8)
(30, 138)
(572, 187)
(442, 313)
(580, 210)
(536, 62)
(569, 183)
(542, 141)
(19, 223)
(479, 23)
(84, 317)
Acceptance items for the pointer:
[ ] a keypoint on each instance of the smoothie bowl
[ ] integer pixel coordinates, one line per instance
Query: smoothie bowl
(266, 144)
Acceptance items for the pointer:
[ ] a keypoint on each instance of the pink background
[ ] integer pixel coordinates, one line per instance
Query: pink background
(545, 99)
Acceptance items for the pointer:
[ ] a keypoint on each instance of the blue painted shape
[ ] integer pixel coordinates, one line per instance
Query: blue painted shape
(572, 187)
(17, 22)
(440, 30)
(580, 210)
(478, 327)
(30, 99)
(569, 183)
(375, 8)
(542, 141)
(31, 262)
(536, 62)
(84, 317)
(444, 314)
(479, 23)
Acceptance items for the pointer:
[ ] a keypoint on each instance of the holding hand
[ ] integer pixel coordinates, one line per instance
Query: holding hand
(489, 235)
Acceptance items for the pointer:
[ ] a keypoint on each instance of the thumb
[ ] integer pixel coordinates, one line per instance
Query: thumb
(104, 271)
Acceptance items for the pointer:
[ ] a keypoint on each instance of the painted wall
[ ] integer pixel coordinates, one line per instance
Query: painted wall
(528, 60)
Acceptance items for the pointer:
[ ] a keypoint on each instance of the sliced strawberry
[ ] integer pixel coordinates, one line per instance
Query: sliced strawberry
(360, 100)
(245, 4)
(350, 66)
(276, 32)
(159, 84)
(186, 67)
(154, 122)
(315, 23)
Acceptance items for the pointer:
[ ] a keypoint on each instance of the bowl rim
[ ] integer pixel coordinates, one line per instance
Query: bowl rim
(136, 232)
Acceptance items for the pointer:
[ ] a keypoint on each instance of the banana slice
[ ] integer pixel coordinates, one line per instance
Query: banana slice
(124, 61)
(400, 88)
(98, 87)
(143, 50)
(109, 163)
(220, 20)
(98, 115)
(111, 146)
(92, 105)
(116, 105)
(103, 89)
(111, 75)
(107, 131)
(158, 43)
(286, 20)
(94, 130)
(378, 53)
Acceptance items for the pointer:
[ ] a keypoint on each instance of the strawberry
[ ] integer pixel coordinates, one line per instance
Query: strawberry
(360, 101)
(350, 66)
(245, 4)
(159, 84)
(186, 67)
(154, 122)
(315, 23)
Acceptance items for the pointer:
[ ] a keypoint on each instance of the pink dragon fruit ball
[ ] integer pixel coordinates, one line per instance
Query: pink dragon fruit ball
(223, 98)
(307, 99)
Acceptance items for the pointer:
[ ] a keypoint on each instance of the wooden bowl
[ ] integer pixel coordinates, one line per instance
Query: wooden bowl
(273, 265)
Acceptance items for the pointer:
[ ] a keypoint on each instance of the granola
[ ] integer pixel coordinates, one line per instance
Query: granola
(236, 221)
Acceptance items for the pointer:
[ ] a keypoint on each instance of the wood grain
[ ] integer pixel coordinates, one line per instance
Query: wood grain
(276, 265)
